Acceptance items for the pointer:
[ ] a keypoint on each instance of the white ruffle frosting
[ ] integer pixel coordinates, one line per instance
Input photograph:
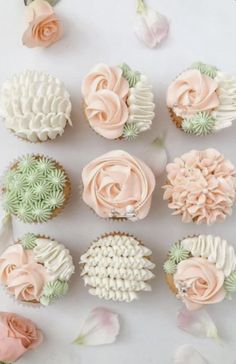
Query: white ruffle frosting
(35, 106)
(56, 259)
(141, 105)
(213, 248)
(117, 268)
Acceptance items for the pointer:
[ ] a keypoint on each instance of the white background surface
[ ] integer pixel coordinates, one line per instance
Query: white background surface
(101, 30)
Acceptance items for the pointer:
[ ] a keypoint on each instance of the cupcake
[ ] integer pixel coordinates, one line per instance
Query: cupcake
(117, 267)
(202, 100)
(36, 270)
(118, 186)
(18, 335)
(118, 102)
(201, 270)
(35, 106)
(35, 189)
(201, 186)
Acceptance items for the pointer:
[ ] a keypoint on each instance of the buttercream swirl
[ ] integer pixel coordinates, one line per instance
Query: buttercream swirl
(118, 185)
(56, 259)
(35, 106)
(141, 105)
(117, 267)
(215, 249)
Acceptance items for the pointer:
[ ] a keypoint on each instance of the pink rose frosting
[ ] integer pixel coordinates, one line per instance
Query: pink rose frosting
(105, 77)
(107, 113)
(192, 92)
(201, 186)
(117, 184)
(17, 336)
(22, 276)
(199, 283)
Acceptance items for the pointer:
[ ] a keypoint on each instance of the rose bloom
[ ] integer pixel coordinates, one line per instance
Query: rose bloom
(199, 283)
(192, 92)
(44, 27)
(17, 336)
(118, 183)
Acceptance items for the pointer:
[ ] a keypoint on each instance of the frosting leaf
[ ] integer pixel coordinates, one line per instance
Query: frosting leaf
(29, 241)
(130, 131)
(178, 253)
(53, 291)
(200, 124)
(169, 267)
(230, 283)
(131, 76)
(205, 69)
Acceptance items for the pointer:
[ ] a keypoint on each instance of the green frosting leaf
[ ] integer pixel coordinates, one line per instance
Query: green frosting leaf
(51, 2)
(206, 69)
(33, 188)
(29, 241)
(200, 124)
(53, 291)
(178, 253)
(131, 76)
(169, 267)
(230, 283)
(130, 131)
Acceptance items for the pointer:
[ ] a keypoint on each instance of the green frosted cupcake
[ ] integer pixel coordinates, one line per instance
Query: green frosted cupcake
(35, 189)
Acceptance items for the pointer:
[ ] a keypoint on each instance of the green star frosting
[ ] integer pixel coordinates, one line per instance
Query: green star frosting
(206, 69)
(53, 291)
(177, 253)
(230, 283)
(29, 241)
(200, 124)
(130, 131)
(131, 76)
(33, 188)
(169, 266)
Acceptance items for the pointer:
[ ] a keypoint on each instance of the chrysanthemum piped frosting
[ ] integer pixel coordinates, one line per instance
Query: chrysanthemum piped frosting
(35, 189)
(202, 100)
(118, 186)
(36, 269)
(119, 102)
(117, 267)
(201, 270)
(201, 186)
(35, 106)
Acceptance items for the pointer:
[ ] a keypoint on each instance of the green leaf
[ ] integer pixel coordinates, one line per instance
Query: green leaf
(51, 2)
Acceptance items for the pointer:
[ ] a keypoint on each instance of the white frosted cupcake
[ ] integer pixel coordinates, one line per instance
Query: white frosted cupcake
(36, 270)
(117, 267)
(119, 102)
(201, 270)
(35, 106)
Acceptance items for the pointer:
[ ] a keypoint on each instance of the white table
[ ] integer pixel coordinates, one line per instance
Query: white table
(101, 30)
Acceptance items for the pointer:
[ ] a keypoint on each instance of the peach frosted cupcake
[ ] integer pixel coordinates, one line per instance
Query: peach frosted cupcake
(118, 186)
(202, 100)
(36, 270)
(201, 186)
(118, 102)
(201, 270)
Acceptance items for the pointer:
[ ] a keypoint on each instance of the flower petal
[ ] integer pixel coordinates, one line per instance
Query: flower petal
(156, 156)
(6, 233)
(197, 323)
(187, 354)
(101, 327)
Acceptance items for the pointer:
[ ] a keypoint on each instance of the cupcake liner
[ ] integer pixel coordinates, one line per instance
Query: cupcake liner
(67, 189)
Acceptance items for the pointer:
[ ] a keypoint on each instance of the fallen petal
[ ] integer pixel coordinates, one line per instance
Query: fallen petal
(100, 328)
(156, 156)
(197, 323)
(188, 355)
(6, 232)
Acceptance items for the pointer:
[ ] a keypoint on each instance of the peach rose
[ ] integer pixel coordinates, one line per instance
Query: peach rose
(44, 27)
(199, 283)
(13, 257)
(17, 336)
(192, 92)
(117, 184)
(107, 113)
(105, 77)
(27, 283)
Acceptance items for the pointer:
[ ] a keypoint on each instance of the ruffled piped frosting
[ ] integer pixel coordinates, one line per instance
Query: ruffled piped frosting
(117, 267)
(35, 106)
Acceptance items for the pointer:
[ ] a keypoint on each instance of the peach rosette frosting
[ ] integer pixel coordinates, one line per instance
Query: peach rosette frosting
(36, 270)
(118, 101)
(17, 336)
(118, 185)
(201, 186)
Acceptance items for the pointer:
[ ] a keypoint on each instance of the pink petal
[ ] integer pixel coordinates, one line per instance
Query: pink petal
(188, 355)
